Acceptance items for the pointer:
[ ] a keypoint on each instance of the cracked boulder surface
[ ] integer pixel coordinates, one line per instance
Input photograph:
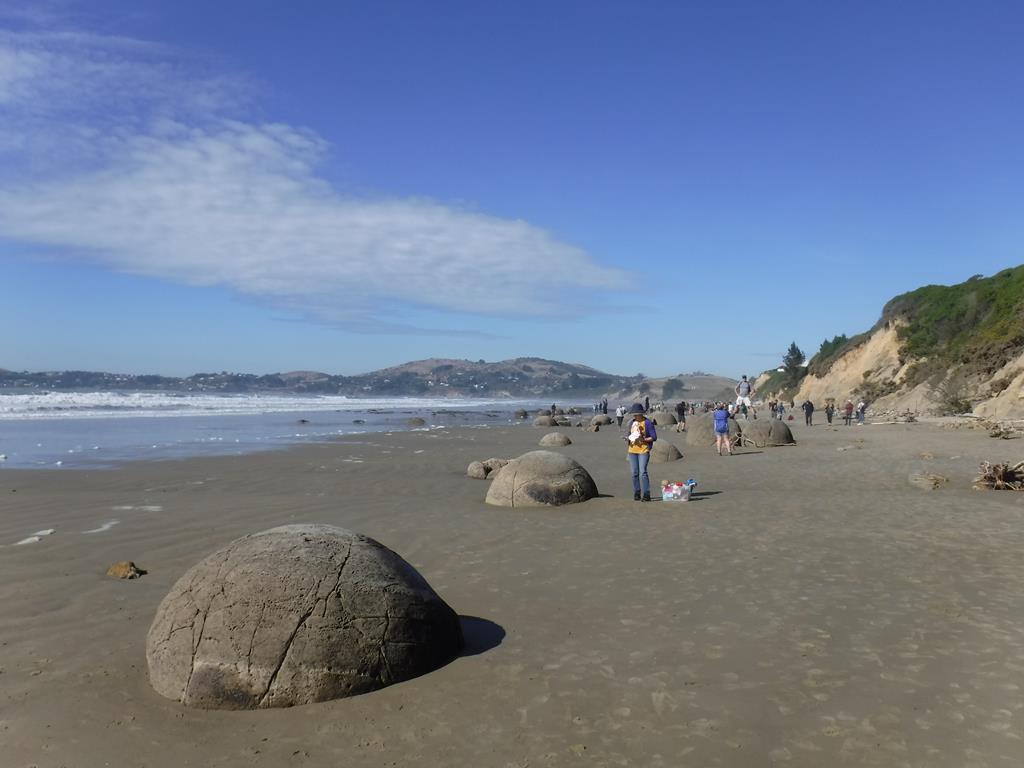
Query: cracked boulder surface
(295, 615)
(541, 479)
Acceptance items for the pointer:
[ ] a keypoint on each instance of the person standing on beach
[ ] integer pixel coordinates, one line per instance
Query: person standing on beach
(848, 412)
(620, 413)
(647, 404)
(681, 412)
(830, 410)
(780, 410)
(722, 429)
(862, 409)
(640, 439)
(808, 407)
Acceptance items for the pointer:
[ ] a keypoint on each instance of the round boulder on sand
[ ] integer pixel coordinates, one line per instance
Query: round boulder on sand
(494, 464)
(545, 421)
(555, 440)
(477, 470)
(416, 421)
(700, 430)
(295, 615)
(755, 432)
(663, 418)
(541, 479)
(601, 419)
(663, 451)
(781, 434)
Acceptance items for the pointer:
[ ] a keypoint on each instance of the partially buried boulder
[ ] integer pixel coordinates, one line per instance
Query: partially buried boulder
(481, 470)
(780, 433)
(601, 419)
(663, 418)
(541, 479)
(295, 615)
(416, 421)
(663, 451)
(545, 421)
(494, 464)
(555, 440)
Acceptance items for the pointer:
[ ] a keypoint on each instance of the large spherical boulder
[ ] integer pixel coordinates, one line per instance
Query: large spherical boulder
(781, 434)
(555, 440)
(700, 430)
(541, 479)
(295, 615)
(755, 432)
(601, 419)
(545, 421)
(663, 418)
(663, 451)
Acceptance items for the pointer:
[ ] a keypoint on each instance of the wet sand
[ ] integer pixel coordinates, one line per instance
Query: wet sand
(810, 608)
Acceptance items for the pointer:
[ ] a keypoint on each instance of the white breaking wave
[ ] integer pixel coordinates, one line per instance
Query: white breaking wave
(90, 405)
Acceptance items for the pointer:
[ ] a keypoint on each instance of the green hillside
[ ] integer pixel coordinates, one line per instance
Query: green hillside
(978, 324)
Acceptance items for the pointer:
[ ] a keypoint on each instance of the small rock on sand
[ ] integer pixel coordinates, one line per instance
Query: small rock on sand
(125, 569)
(927, 481)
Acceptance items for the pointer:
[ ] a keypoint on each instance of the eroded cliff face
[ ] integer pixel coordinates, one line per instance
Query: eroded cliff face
(875, 361)
(873, 370)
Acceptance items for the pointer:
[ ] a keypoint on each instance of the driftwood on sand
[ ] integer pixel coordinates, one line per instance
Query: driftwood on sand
(1000, 477)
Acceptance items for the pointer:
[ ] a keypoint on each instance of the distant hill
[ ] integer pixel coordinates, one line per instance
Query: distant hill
(524, 377)
(940, 348)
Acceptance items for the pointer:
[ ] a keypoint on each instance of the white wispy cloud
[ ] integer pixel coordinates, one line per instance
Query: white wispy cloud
(139, 165)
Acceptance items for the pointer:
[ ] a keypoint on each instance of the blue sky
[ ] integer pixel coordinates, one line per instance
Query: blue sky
(654, 187)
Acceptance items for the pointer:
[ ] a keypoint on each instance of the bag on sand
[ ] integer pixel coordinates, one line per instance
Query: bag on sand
(677, 491)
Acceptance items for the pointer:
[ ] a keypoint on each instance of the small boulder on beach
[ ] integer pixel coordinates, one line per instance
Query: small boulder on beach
(545, 421)
(555, 440)
(541, 479)
(663, 418)
(601, 419)
(663, 451)
(125, 569)
(416, 421)
(296, 615)
(477, 470)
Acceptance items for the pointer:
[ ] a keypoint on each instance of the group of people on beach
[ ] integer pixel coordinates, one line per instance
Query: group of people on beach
(641, 433)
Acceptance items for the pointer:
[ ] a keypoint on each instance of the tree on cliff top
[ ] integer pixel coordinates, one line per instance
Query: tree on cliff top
(793, 363)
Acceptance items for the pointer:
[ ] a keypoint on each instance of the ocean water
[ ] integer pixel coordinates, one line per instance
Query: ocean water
(105, 429)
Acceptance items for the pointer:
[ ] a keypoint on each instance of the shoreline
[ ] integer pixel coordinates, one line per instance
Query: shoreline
(813, 607)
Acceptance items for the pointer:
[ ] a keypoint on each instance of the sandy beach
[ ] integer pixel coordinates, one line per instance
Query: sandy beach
(810, 607)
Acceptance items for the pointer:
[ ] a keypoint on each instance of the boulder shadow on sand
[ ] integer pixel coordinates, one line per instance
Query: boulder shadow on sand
(480, 635)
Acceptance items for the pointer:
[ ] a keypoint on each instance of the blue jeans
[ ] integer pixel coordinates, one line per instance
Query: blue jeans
(638, 461)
